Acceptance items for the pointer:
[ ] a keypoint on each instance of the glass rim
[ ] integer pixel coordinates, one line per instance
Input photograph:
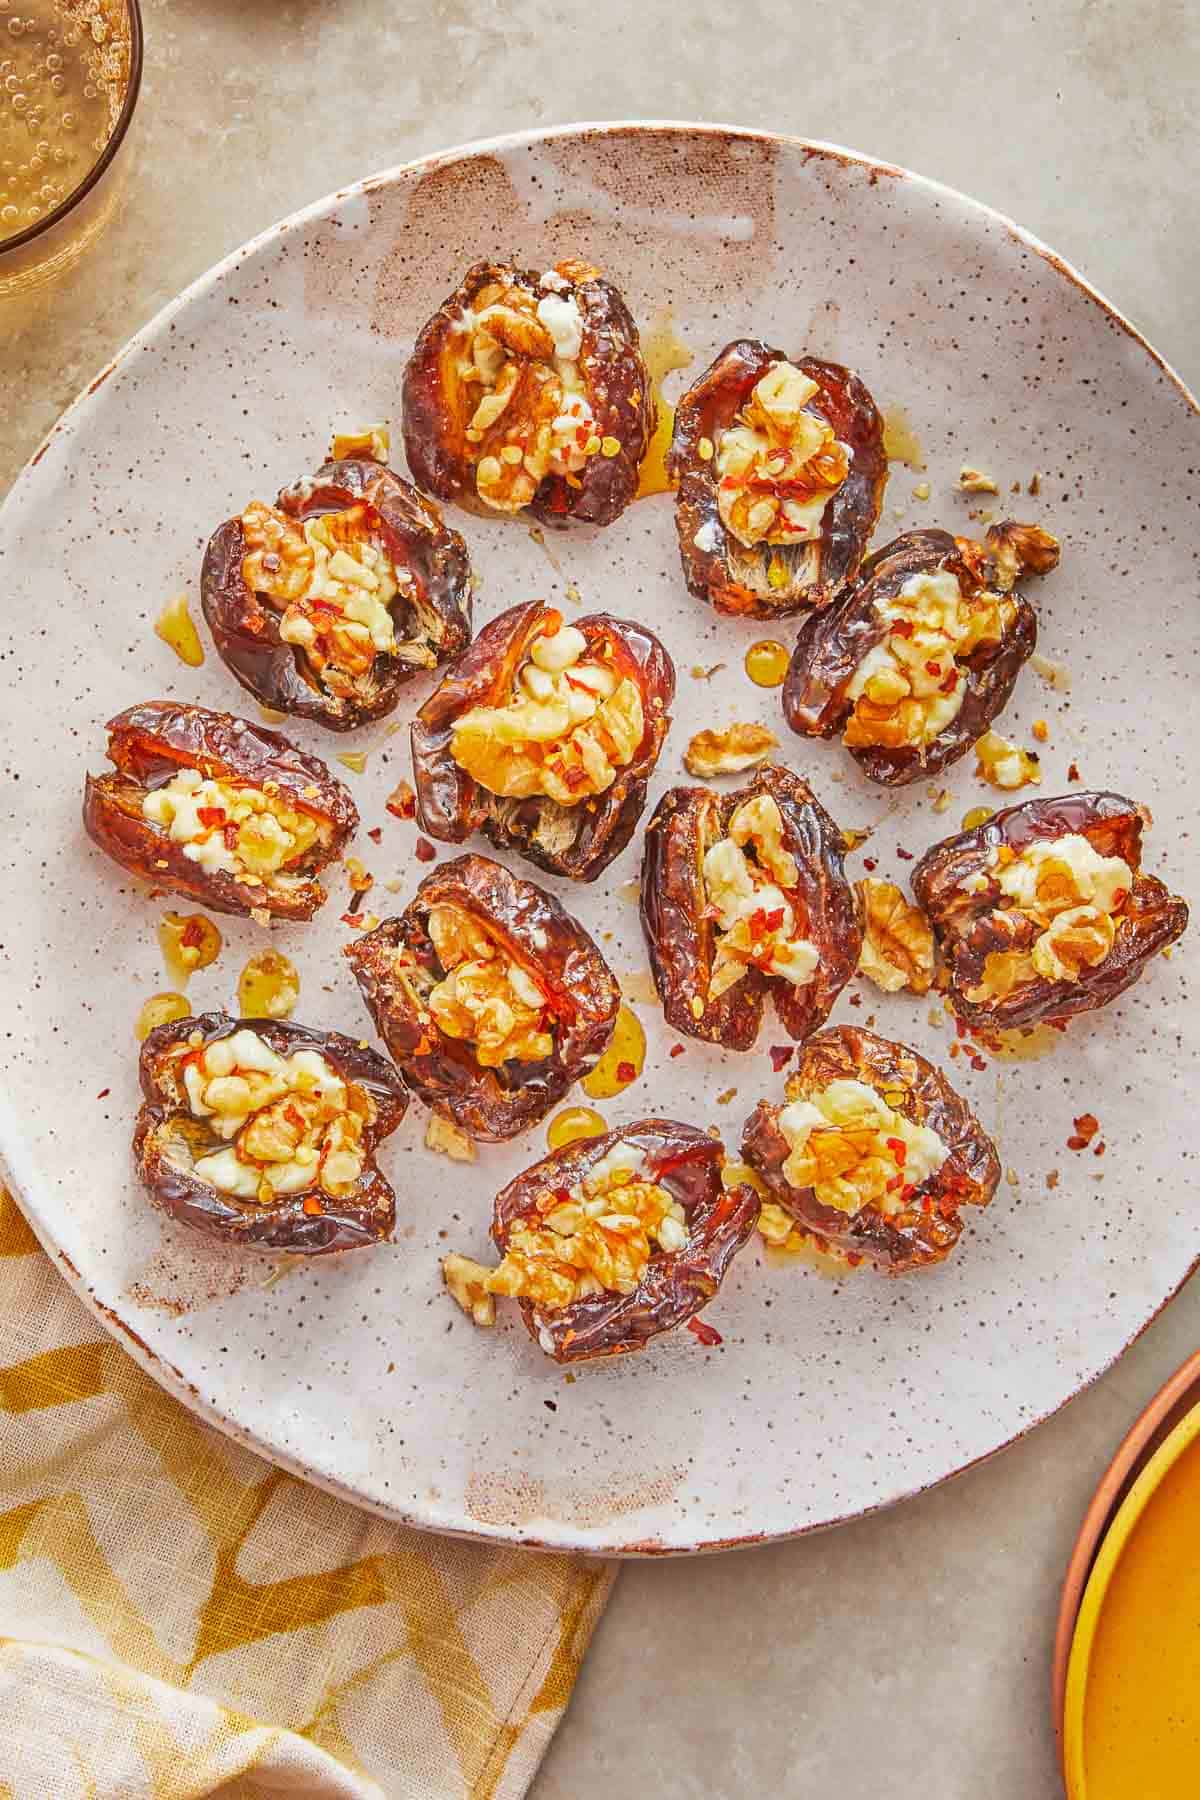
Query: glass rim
(116, 139)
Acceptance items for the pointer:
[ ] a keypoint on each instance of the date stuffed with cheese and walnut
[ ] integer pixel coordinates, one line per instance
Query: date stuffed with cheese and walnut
(611, 1241)
(781, 469)
(490, 997)
(528, 392)
(211, 806)
(264, 1133)
(325, 604)
(744, 895)
(544, 735)
(873, 1153)
(918, 656)
(1043, 911)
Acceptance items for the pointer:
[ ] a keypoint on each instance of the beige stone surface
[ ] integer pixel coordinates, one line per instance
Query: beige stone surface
(907, 1655)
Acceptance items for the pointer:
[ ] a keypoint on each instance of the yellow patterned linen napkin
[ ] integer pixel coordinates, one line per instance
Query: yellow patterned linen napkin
(178, 1618)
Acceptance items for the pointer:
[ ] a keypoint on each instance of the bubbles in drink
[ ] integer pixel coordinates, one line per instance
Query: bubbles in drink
(63, 74)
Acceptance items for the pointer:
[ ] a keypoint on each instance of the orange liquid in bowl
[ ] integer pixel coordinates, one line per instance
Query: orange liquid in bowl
(1141, 1721)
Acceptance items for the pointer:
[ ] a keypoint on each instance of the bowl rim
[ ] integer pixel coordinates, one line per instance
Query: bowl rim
(1151, 1428)
(1144, 1484)
(116, 138)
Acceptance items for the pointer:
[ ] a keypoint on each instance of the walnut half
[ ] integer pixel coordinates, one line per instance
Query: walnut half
(728, 752)
(897, 947)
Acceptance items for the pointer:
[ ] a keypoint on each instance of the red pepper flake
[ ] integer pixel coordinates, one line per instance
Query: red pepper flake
(904, 855)
(853, 1257)
(348, 918)
(960, 1026)
(707, 1335)
(907, 1191)
(192, 935)
(978, 1063)
(781, 1055)
(376, 834)
(898, 1148)
(626, 1072)
(425, 850)
(211, 816)
(870, 864)
(676, 1049)
(855, 1000)
(902, 628)
(1073, 773)
(951, 682)
(313, 1207)
(1100, 1148)
(927, 1205)
(897, 1181)
(104, 1093)
(562, 1196)
(933, 668)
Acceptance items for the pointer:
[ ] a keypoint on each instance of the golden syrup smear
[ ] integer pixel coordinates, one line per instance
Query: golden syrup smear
(900, 441)
(188, 942)
(831, 1265)
(622, 1062)
(766, 663)
(1025, 1044)
(573, 1123)
(64, 69)
(160, 1009)
(664, 352)
(268, 987)
(176, 627)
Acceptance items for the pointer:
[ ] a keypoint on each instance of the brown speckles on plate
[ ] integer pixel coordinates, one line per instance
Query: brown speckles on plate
(404, 1409)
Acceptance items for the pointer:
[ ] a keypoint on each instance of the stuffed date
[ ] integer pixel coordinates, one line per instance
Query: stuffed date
(543, 736)
(264, 1133)
(490, 997)
(744, 895)
(781, 469)
(610, 1241)
(528, 392)
(916, 658)
(873, 1153)
(216, 808)
(326, 603)
(1043, 911)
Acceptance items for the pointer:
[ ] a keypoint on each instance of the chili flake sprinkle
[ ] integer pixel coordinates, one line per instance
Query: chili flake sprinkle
(1086, 1127)
(706, 1333)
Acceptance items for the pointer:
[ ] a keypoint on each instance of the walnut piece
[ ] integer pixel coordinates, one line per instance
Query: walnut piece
(728, 752)
(1021, 550)
(897, 947)
(373, 441)
(444, 1136)
(1005, 765)
(465, 1280)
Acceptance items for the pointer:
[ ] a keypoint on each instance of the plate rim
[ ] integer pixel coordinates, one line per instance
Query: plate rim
(557, 1538)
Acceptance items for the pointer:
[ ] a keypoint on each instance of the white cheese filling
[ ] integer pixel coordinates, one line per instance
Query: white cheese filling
(853, 1149)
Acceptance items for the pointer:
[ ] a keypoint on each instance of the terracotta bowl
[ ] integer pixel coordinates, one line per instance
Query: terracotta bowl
(1174, 1400)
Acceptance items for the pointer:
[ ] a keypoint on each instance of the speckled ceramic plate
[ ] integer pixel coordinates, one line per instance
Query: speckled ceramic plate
(826, 1397)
